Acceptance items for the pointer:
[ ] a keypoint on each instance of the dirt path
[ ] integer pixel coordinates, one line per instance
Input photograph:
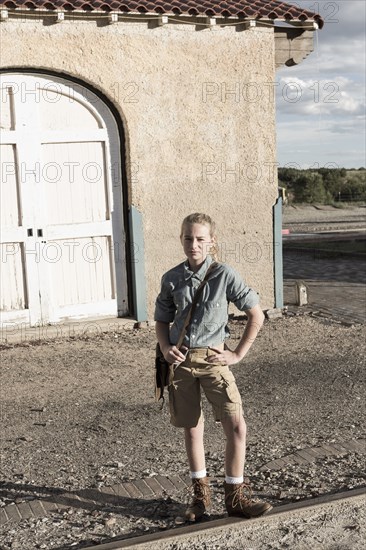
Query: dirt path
(79, 414)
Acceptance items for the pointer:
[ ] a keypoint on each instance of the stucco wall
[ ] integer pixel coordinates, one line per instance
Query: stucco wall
(185, 132)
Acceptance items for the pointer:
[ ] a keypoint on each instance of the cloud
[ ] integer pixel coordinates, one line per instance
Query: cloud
(344, 57)
(336, 97)
(346, 128)
(316, 143)
(321, 102)
(339, 17)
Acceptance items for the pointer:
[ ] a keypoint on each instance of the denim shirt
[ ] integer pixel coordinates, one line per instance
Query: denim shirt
(208, 326)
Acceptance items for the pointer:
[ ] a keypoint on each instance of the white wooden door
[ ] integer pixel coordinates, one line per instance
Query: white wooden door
(62, 233)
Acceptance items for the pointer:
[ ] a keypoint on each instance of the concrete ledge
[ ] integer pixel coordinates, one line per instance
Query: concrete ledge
(355, 496)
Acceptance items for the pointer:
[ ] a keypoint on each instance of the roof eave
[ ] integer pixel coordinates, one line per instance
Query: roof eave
(315, 23)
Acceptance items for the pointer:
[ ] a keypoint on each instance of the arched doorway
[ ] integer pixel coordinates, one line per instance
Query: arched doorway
(62, 229)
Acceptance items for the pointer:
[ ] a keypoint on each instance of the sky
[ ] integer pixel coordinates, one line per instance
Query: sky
(321, 102)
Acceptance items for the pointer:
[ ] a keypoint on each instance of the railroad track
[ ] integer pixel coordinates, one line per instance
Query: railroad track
(185, 533)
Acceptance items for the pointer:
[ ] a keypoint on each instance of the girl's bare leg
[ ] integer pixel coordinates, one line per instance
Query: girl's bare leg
(194, 447)
(235, 431)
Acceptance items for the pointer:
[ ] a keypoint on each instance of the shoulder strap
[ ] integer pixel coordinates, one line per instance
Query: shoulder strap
(194, 304)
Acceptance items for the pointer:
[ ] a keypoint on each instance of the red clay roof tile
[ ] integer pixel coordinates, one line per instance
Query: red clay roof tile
(253, 9)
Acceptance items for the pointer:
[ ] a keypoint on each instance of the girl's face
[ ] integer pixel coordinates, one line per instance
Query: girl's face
(197, 242)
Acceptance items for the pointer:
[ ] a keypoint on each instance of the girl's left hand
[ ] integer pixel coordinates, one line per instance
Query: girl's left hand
(224, 356)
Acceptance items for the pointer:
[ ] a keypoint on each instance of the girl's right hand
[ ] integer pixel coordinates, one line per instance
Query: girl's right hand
(173, 355)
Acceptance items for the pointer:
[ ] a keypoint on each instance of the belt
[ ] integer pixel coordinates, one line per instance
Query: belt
(191, 350)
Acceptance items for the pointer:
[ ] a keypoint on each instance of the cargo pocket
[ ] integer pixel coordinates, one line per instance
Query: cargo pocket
(230, 387)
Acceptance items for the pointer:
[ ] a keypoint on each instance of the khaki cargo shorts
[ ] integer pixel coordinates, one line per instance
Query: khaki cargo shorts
(217, 382)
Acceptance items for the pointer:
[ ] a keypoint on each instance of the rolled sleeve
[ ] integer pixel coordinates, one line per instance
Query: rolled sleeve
(164, 306)
(239, 293)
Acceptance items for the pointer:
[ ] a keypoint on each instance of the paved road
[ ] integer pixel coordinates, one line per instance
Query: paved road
(336, 286)
(302, 218)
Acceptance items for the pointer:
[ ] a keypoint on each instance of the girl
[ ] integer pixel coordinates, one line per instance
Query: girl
(203, 361)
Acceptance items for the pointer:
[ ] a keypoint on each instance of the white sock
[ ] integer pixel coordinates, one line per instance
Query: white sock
(234, 480)
(198, 475)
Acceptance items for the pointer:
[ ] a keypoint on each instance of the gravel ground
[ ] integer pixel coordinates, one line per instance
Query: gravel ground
(340, 525)
(79, 413)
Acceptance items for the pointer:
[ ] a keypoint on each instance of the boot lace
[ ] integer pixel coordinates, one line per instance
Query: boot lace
(239, 498)
(199, 490)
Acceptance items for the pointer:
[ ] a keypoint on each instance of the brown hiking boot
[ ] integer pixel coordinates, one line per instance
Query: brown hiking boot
(201, 499)
(237, 504)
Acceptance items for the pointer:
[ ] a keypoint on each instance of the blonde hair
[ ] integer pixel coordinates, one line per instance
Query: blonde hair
(203, 219)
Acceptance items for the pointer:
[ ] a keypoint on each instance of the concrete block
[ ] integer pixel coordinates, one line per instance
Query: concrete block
(155, 486)
(25, 510)
(165, 483)
(37, 508)
(275, 313)
(3, 516)
(132, 490)
(143, 487)
(13, 513)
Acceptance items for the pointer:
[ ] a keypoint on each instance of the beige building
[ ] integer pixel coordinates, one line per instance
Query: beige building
(118, 119)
